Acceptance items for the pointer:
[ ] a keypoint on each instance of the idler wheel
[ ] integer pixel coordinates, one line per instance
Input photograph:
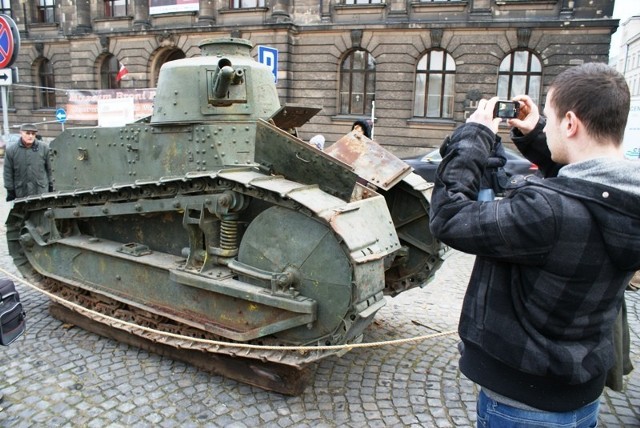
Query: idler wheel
(283, 241)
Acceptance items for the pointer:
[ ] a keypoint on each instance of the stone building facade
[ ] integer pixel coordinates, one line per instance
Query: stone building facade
(417, 66)
(627, 61)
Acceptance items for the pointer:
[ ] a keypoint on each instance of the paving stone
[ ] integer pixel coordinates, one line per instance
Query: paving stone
(67, 377)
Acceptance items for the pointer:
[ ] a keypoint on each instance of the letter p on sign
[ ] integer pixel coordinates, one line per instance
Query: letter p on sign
(269, 57)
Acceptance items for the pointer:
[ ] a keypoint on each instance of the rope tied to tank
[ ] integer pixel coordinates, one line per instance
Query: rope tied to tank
(121, 324)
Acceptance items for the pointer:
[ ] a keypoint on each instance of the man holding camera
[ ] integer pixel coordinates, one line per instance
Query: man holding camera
(553, 256)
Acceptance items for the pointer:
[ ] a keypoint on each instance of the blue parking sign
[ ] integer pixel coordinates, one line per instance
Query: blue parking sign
(269, 57)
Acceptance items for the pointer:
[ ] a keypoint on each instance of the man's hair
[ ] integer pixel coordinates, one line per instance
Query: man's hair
(598, 95)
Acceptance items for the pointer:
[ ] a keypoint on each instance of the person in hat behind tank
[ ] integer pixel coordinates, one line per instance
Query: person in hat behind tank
(26, 165)
(362, 127)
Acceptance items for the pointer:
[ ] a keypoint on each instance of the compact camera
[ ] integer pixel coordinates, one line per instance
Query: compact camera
(506, 109)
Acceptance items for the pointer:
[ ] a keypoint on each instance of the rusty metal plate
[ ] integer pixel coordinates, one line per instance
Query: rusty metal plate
(369, 160)
(293, 116)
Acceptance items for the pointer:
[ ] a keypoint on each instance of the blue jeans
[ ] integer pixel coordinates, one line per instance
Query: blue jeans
(492, 414)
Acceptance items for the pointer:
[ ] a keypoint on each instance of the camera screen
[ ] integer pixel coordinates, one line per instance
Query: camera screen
(506, 109)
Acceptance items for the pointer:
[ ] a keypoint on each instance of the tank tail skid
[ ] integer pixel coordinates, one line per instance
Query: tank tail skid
(281, 378)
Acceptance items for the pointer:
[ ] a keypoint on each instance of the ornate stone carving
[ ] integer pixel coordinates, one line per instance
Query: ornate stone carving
(104, 43)
(166, 39)
(436, 37)
(523, 34)
(356, 38)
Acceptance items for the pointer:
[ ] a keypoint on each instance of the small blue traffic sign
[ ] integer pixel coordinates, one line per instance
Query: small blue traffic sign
(61, 115)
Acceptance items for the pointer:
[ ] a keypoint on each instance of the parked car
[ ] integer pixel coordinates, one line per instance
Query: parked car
(426, 165)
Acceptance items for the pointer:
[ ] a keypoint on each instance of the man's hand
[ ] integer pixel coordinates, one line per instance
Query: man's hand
(11, 195)
(484, 115)
(528, 117)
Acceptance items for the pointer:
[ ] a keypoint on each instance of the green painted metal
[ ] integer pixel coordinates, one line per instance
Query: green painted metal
(211, 214)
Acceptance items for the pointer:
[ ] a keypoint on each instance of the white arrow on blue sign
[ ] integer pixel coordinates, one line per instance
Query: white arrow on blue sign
(269, 57)
(61, 115)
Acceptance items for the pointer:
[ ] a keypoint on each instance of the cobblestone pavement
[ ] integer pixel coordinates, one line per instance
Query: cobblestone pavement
(58, 375)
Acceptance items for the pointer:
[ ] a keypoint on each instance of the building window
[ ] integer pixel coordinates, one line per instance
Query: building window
(164, 57)
(116, 8)
(108, 72)
(46, 85)
(357, 83)
(362, 1)
(434, 92)
(246, 4)
(520, 73)
(46, 11)
(10, 100)
(5, 7)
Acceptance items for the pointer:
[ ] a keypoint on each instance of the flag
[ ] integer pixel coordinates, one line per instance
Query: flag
(122, 72)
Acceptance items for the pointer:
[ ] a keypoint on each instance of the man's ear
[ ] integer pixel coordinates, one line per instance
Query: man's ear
(571, 124)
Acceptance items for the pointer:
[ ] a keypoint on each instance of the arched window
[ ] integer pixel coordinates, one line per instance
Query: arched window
(520, 73)
(357, 83)
(435, 79)
(166, 56)
(46, 85)
(108, 72)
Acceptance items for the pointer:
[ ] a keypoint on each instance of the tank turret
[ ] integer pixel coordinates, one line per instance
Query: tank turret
(224, 81)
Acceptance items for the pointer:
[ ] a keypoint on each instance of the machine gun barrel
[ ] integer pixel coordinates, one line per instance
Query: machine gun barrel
(224, 78)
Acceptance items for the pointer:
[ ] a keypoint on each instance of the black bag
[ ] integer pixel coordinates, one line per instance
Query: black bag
(12, 315)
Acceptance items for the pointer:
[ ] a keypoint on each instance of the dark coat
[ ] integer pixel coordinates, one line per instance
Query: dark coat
(534, 148)
(553, 260)
(27, 170)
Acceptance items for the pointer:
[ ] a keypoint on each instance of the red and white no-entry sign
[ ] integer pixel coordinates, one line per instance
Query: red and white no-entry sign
(9, 41)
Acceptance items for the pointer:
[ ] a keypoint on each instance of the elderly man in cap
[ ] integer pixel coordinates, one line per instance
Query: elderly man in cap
(26, 165)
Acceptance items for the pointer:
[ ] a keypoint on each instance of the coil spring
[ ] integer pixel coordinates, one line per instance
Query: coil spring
(229, 234)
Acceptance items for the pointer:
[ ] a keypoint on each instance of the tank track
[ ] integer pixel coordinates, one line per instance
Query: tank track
(247, 181)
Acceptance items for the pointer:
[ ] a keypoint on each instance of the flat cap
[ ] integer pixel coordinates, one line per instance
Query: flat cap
(29, 127)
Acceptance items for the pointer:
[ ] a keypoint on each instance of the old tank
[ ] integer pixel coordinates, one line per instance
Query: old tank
(210, 220)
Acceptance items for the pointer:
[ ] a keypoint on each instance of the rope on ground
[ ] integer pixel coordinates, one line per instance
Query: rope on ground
(120, 324)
